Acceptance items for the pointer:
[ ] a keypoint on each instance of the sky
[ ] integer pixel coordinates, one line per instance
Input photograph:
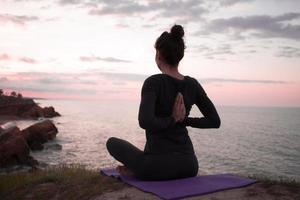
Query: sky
(242, 52)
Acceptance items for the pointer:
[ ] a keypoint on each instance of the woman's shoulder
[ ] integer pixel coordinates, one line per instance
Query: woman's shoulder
(193, 80)
(152, 81)
(160, 77)
(197, 85)
(153, 78)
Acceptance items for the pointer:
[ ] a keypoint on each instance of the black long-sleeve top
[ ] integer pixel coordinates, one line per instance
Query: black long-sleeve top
(163, 134)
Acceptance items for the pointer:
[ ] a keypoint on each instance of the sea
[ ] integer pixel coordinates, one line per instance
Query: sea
(259, 141)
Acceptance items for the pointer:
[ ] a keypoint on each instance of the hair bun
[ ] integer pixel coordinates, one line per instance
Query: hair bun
(177, 31)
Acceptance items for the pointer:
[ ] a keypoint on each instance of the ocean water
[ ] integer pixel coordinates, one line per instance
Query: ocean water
(250, 141)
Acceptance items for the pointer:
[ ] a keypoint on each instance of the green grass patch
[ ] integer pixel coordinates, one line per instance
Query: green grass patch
(60, 182)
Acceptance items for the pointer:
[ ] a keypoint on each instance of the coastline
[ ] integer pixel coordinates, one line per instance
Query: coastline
(8, 118)
(15, 143)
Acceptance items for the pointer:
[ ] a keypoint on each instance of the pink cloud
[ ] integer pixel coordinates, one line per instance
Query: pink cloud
(4, 57)
(20, 20)
(120, 87)
(105, 59)
(28, 60)
(68, 86)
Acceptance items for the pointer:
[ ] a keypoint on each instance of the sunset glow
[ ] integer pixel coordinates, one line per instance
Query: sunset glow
(242, 52)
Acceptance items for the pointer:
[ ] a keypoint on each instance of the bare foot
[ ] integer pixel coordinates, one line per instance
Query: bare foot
(124, 171)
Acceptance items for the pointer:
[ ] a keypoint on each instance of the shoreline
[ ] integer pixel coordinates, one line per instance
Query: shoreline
(9, 118)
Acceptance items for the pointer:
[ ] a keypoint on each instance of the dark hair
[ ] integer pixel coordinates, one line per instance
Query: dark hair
(171, 45)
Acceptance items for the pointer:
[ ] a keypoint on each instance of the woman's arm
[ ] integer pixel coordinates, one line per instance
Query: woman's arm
(210, 117)
(146, 117)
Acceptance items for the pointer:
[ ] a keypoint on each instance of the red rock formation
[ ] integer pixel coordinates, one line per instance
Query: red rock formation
(14, 148)
(39, 133)
(50, 112)
(37, 111)
(15, 145)
(24, 108)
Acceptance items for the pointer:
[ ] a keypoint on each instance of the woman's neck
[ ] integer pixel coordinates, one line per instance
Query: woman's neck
(172, 71)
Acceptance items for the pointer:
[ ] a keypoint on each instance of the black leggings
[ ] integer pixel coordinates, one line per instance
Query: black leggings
(152, 166)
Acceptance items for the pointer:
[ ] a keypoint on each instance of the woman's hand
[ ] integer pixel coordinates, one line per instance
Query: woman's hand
(179, 108)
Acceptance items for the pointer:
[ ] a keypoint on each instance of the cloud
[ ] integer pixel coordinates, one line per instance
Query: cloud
(141, 78)
(70, 2)
(105, 59)
(4, 67)
(259, 26)
(182, 10)
(73, 85)
(28, 60)
(149, 25)
(230, 80)
(232, 2)
(119, 8)
(51, 80)
(63, 90)
(4, 57)
(289, 52)
(55, 78)
(17, 19)
(61, 83)
(59, 79)
(210, 52)
(93, 84)
(191, 10)
(3, 79)
(120, 25)
(123, 76)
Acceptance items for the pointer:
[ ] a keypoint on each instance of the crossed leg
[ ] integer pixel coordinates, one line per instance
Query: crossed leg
(126, 153)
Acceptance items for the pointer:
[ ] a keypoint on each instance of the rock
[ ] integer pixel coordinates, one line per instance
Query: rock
(10, 133)
(37, 111)
(24, 108)
(14, 148)
(56, 147)
(37, 134)
(34, 112)
(35, 145)
(50, 112)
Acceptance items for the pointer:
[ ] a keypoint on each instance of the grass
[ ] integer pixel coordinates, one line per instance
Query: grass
(292, 185)
(276, 181)
(74, 182)
(61, 182)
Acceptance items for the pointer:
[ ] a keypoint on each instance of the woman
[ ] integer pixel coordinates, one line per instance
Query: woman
(166, 100)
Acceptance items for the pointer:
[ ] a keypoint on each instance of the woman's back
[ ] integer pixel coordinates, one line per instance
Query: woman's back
(168, 90)
(158, 95)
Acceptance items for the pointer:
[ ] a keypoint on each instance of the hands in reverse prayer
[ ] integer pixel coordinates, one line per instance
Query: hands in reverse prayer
(179, 111)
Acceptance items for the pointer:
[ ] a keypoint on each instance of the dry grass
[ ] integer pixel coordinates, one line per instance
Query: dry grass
(291, 185)
(62, 182)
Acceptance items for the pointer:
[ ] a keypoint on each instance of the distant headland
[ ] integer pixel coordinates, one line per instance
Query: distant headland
(15, 106)
(16, 144)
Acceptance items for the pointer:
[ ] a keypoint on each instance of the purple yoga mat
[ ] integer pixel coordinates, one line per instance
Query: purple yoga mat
(186, 187)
